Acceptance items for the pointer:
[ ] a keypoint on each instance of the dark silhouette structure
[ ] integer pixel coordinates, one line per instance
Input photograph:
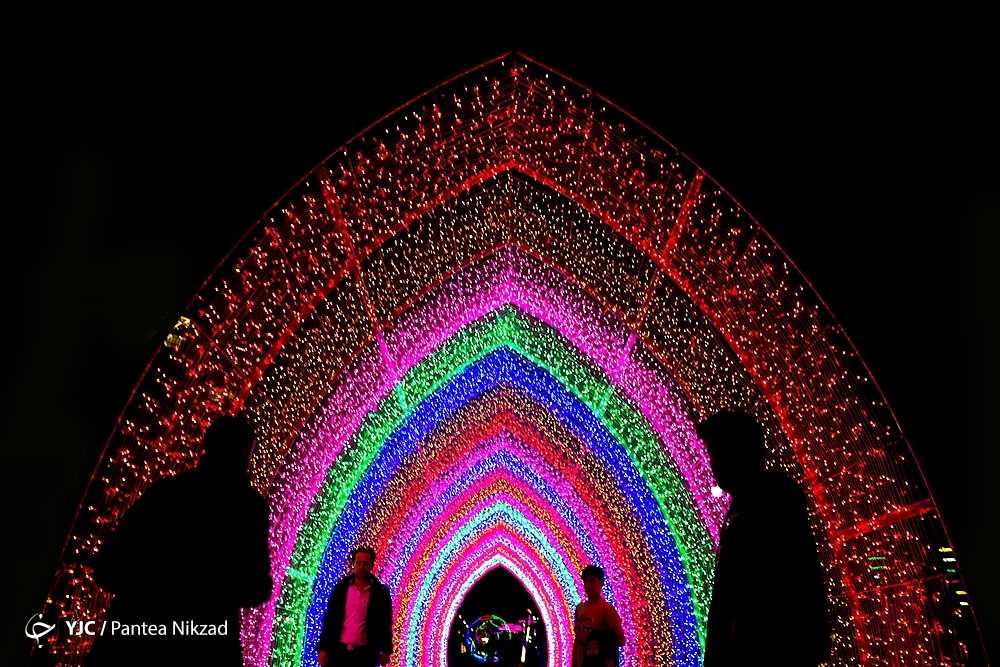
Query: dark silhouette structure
(598, 626)
(184, 559)
(768, 598)
(357, 627)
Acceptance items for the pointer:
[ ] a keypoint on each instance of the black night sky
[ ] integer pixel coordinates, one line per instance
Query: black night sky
(135, 162)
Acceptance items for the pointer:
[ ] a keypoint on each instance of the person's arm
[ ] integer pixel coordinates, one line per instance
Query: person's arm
(385, 649)
(333, 620)
(614, 622)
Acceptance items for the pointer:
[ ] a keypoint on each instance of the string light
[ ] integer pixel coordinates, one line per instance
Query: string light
(479, 335)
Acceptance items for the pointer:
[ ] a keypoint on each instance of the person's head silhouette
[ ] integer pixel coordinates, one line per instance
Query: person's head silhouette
(735, 443)
(593, 581)
(228, 442)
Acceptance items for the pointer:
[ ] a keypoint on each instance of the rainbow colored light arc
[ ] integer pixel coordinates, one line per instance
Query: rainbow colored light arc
(492, 357)
(479, 336)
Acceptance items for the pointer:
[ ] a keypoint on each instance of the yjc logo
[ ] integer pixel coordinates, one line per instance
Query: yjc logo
(37, 629)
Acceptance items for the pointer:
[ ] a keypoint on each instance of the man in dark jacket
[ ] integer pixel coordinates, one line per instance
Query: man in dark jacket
(184, 559)
(357, 628)
(768, 598)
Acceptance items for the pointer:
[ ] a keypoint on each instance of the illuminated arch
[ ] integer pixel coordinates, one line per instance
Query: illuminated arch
(628, 534)
(511, 211)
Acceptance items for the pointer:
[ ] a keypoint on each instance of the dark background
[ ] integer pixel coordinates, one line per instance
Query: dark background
(498, 593)
(865, 145)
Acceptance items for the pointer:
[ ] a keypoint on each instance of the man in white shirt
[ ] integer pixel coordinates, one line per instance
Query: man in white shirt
(357, 628)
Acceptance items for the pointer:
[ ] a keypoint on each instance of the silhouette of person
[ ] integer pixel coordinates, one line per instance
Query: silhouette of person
(598, 626)
(768, 598)
(357, 627)
(184, 559)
